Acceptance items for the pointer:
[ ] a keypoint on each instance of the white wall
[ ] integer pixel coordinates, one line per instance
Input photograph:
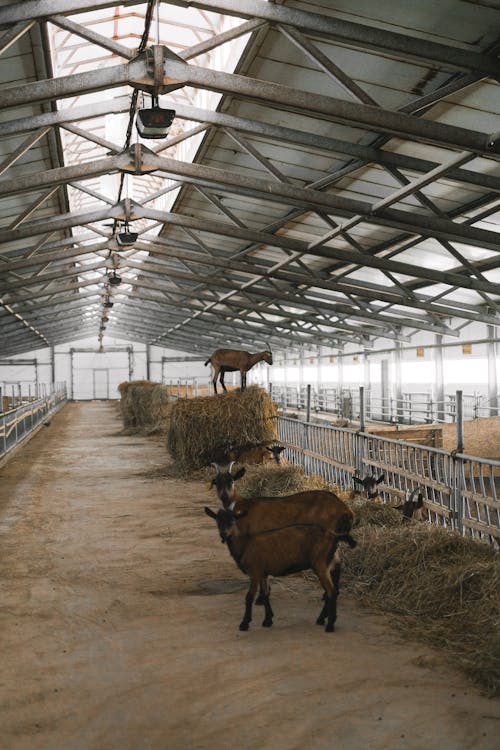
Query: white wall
(94, 373)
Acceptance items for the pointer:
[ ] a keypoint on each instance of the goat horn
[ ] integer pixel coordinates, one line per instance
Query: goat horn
(216, 466)
(230, 466)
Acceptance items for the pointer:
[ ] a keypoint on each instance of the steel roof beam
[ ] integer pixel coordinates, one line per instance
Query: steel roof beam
(251, 127)
(178, 73)
(308, 199)
(345, 32)
(248, 268)
(354, 34)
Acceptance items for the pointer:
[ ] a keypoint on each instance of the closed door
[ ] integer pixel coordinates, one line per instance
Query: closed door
(101, 384)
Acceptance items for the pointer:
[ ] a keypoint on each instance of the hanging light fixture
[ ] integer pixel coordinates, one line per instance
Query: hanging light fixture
(126, 237)
(154, 122)
(114, 279)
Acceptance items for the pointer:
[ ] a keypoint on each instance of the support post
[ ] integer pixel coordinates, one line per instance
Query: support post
(492, 371)
(439, 376)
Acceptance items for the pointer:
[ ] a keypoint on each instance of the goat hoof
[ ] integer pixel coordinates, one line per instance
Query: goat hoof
(330, 629)
(244, 626)
(267, 623)
(320, 621)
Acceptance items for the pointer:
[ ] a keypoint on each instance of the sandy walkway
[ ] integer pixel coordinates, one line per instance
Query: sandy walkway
(112, 638)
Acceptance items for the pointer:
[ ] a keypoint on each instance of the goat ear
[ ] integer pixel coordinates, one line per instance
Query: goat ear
(210, 512)
(239, 473)
(269, 449)
(357, 479)
(381, 478)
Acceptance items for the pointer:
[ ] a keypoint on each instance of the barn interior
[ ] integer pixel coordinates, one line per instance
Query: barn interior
(329, 183)
(318, 179)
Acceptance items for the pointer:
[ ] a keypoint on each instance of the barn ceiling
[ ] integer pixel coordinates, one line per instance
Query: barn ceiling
(331, 175)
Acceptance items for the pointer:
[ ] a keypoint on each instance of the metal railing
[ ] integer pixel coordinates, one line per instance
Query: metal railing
(410, 408)
(460, 491)
(17, 423)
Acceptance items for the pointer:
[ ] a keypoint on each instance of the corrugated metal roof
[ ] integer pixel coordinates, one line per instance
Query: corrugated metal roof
(332, 174)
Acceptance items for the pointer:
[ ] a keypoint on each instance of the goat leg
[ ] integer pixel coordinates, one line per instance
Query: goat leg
(329, 610)
(247, 617)
(268, 617)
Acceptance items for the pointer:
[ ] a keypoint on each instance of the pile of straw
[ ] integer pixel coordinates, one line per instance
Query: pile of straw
(207, 429)
(442, 588)
(271, 480)
(145, 406)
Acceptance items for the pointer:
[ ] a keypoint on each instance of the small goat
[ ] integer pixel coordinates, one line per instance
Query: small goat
(259, 455)
(283, 550)
(370, 484)
(412, 509)
(232, 360)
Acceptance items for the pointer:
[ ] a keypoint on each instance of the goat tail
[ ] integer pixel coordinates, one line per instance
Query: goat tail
(344, 527)
(208, 360)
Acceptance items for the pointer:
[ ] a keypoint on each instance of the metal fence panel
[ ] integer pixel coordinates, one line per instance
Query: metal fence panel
(17, 423)
(460, 492)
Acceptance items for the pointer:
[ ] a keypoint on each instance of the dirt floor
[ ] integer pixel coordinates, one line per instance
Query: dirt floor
(119, 623)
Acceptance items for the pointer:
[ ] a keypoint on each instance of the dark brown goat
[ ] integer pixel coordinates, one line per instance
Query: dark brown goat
(319, 507)
(232, 360)
(370, 484)
(281, 551)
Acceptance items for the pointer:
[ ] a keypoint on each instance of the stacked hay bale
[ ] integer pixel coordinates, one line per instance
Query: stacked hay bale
(145, 406)
(207, 429)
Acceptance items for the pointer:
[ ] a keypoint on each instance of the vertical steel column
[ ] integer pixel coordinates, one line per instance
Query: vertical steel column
(52, 365)
(367, 383)
(439, 377)
(148, 362)
(71, 380)
(130, 352)
(398, 388)
(492, 371)
(458, 465)
(340, 385)
(384, 390)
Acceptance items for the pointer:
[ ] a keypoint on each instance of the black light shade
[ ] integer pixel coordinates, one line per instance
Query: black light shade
(114, 280)
(126, 238)
(154, 122)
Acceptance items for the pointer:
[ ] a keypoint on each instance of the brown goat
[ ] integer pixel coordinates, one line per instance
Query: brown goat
(284, 550)
(319, 507)
(232, 360)
(259, 455)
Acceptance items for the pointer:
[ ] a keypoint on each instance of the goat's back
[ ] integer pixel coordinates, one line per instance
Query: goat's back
(319, 507)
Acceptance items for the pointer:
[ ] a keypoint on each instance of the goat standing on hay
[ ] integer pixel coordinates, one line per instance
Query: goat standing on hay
(231, 360)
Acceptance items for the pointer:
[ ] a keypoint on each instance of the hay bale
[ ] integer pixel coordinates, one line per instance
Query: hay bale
(145, 406)
(128, 402)
(443, 589)
(160, 409)
(206, 429)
